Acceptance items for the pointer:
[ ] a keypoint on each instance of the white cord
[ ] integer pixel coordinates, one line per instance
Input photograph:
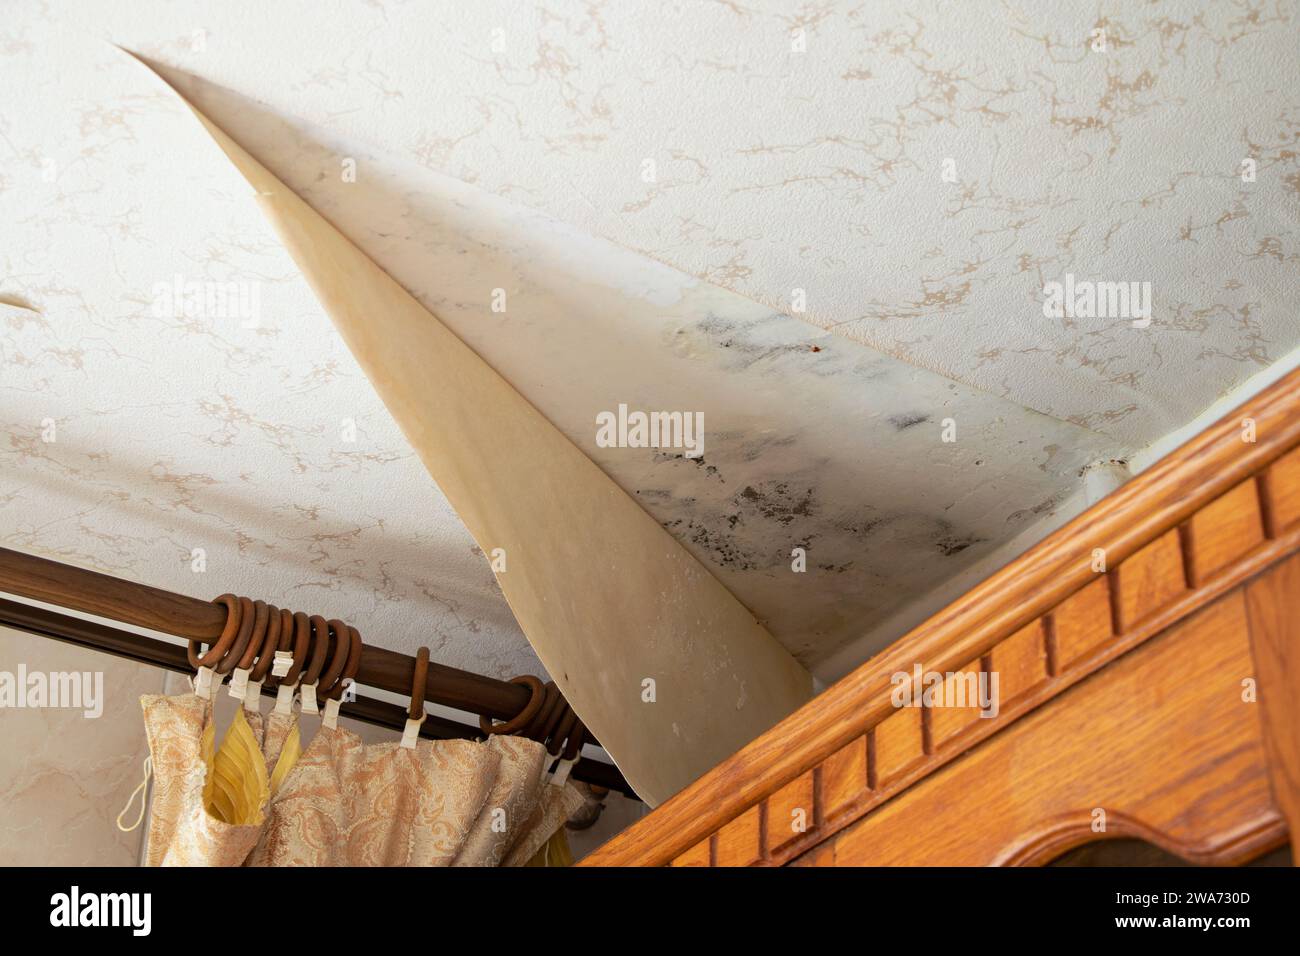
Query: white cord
(148, 771)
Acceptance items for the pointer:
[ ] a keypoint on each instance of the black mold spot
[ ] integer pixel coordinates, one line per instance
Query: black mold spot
(955, 544)
(740, 336)
(835, 568)
(656, 494)
(710, 471)
(776, 502)
(903, 422)
(723, 550)
(865, 528)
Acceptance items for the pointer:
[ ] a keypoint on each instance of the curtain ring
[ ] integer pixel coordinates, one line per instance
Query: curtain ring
(537, 692)
(531, 729)
(256, 636)
(319, 646)
(218, 650)
(546, 720)
(247, 611)
(300, 628)
(342, 642)
(563, 729)
(556, 718)
(573, 746)
(271, 641)
(418, 682)
(353, 662)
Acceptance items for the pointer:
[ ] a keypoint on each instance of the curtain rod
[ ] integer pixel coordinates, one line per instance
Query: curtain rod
(103, 595)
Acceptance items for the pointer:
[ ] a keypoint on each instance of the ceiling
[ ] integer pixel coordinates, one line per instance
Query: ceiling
(504, 146)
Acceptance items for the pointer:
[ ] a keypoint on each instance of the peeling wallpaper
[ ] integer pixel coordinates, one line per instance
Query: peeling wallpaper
(504, 146)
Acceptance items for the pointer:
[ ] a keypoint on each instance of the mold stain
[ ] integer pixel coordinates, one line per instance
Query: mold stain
(721, 548)
(708, 470)
(743, 341)
(904, 422)
(951, 544)
(776, 501)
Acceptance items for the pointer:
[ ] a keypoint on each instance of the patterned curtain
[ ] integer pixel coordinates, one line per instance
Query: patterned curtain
(260, 800)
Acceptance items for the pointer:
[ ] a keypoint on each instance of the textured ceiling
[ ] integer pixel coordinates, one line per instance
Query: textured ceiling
(774, 171)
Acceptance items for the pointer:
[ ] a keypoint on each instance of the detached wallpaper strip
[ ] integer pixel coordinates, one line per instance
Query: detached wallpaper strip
(660, 661)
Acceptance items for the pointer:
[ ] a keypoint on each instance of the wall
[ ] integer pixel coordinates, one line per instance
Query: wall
(64, 777)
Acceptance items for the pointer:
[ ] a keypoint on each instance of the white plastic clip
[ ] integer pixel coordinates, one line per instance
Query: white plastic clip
(253, 697)
(203, 682)
(561, 775)
(238, 683)
(412, 732)
(284, 700)
(307, 694)
(282, 662)
(331, 718)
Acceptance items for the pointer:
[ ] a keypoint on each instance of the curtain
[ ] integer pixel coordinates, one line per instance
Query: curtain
(257, 800)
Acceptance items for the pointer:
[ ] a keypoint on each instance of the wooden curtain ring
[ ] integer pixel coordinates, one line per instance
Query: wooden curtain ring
(354, 662)
(248, 619)
(546, 720)
(538, 729)
(257, 636)
(536, 693)
(573, 746)
(342, 644)
(534, 726)
(218, 650)
(270, 644)
(562, 731)
(418, 682)
(551, 736)
(319, 647)
(300, 628)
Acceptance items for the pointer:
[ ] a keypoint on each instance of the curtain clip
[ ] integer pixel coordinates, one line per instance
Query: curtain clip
(202, 682)
(331, 718)
(307, 694)
(411, 734)
(284, 699)
(281, 663)
(561, 775)
(253, 697)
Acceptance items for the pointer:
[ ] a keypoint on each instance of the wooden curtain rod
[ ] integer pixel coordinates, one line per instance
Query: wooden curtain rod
(102, 595)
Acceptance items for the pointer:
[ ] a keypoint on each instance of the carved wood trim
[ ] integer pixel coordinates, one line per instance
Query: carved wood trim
(1052, 588)
(1044, 690)
(1164, 744)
